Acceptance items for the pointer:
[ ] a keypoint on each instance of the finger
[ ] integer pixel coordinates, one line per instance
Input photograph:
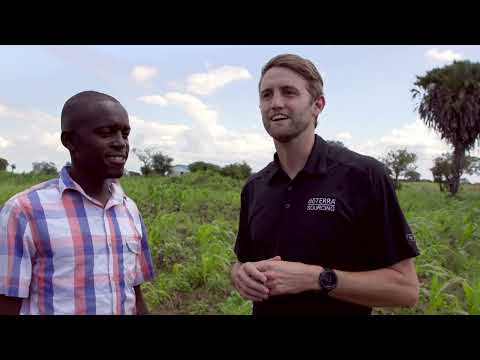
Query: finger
(264, 265)
(276, 291)
(271, 285)
(248, 297)
(270, 275)
(275, 258)
(245, 295)
(252, 284)
(252, 294)
(254, 273)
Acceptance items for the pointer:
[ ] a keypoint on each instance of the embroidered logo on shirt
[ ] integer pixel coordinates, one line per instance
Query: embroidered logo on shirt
(411, 239)
(321, 204)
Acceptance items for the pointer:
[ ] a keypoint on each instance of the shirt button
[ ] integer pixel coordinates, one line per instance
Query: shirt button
(287, 206)
(290, 188)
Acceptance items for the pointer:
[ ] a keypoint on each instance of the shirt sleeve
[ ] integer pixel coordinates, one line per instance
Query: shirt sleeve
(243, 242)
(387, 231)
(16, 252)
(145, 271)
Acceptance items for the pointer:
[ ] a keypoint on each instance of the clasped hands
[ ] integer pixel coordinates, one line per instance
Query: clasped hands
(257, 281)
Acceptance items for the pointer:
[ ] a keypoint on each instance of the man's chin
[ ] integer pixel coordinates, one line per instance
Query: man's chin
(283, 137)
(115, 174)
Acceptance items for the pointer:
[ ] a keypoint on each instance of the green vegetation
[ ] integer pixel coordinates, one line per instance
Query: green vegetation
(192, 224)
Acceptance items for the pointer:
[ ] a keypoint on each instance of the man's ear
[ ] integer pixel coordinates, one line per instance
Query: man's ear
(67, 138)
(319, 103)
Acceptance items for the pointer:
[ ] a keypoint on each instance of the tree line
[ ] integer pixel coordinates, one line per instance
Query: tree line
(401, 163)
(154, 162)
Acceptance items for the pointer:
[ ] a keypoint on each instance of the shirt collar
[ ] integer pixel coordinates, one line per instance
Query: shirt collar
(316, 162)
(67, 183)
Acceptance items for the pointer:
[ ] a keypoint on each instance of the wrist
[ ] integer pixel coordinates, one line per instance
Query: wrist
(314, 272)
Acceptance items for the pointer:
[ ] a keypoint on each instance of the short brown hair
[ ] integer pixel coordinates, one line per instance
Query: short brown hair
(303, 67)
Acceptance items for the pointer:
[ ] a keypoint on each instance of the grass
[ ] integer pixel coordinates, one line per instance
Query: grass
(192, 224)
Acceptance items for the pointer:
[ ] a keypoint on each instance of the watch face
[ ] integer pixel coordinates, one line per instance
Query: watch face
(329, 280)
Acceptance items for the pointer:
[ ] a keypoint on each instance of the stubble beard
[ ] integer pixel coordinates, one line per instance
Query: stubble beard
(293, 131)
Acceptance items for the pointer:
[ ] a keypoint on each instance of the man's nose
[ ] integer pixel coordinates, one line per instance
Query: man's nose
(119, 141)
(277, 100)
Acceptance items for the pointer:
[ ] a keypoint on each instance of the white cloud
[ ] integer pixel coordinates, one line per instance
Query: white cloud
(186, 145)
(4, 143)
(204, 116)
(415, 137)
(443, 56)
(344, 136)
(207, 83)
(145, 133)
(153, 100)
(7, 112)
(51, 140)
(143, 74)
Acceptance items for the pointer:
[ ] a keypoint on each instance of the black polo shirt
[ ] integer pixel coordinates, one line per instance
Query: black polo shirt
(341, 211)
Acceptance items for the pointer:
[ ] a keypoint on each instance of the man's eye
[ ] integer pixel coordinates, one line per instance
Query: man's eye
(105, 132)
(266, 95)
(125, 134)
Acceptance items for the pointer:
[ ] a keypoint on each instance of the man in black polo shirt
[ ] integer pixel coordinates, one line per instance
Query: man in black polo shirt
(321, 230)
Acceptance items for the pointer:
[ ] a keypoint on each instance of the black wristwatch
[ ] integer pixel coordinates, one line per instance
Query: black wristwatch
(327, 280)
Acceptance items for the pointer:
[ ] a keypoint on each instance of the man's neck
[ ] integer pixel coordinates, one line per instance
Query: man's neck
(294, 155)
(95, 187)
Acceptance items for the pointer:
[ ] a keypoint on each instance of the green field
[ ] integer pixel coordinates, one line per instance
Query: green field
(192, 222)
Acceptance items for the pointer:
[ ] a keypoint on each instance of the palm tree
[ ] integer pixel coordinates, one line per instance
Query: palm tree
(450, 104)
(13, 167)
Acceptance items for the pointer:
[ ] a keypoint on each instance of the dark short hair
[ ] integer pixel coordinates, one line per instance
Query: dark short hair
(78, 103)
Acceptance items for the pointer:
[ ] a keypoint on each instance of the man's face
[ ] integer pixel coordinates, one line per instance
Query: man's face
(287, 107)
(101, 140)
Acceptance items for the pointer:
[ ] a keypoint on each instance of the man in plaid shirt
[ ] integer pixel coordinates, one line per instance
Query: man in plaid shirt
(77, 244)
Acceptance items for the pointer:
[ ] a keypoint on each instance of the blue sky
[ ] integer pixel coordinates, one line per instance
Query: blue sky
(201, 102)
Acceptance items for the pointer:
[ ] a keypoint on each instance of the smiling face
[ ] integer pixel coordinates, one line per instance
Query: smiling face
(99, 141)
(286, 106)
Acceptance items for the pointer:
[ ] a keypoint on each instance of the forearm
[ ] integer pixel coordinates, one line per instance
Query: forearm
(382, 287)
(142, 308)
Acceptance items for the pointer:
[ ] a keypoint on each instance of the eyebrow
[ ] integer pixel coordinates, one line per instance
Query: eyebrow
(284, 87)
(113, 126)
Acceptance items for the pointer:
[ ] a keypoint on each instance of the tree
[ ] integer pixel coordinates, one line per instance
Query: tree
(161, 164)
(154, 162)
(145, 157)
(13, 167)
(43, 167)
(336, 143)
(3, 164)
(204, 166)
(237, 170)
(443, 170)
(399, 162)
(450, 104)
(412, 175)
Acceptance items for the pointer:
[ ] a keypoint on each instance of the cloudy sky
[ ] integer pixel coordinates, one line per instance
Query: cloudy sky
(201, 102)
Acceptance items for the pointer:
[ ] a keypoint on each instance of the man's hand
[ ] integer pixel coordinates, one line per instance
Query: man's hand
(249, 281)
(140, 305)
(285, 277)
(10, 305)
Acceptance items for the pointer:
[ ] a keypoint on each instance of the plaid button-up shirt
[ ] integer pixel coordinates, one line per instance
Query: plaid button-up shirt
(64, 253)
